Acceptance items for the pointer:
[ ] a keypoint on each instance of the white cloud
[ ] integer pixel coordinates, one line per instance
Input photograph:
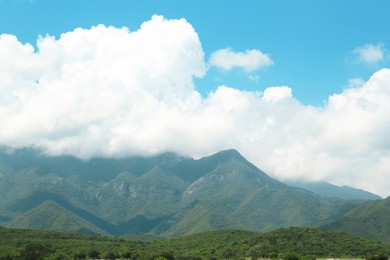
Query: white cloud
(110, 92)
(275, 94)
(81, 89)
(355, 83)
(249, 60)
(371, 53)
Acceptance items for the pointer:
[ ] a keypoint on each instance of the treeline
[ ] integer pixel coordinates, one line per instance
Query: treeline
(290, 244)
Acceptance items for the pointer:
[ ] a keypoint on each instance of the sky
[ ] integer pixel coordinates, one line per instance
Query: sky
(301, 88)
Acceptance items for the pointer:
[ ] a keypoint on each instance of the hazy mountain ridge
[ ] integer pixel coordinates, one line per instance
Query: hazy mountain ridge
(166, 195)
(330, 190)
(370, 219)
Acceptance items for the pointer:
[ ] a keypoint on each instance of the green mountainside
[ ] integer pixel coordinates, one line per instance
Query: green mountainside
(370, 220)
(198, 218)
(51, 216)
(165, 195)
(232, 244)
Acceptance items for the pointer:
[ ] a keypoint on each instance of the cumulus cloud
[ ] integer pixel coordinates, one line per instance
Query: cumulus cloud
(88, 87)
(275, 94)
(371, 53)
(249, 60)
(355, 82)
(106, 91)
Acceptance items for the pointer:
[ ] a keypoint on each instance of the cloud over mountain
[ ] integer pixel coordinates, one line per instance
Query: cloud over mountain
(106, 91)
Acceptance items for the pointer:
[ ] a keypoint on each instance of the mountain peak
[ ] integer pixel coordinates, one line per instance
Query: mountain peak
(228, 154)
(232, 152)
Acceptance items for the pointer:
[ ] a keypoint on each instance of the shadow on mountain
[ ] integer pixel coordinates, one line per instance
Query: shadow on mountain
(137, 225)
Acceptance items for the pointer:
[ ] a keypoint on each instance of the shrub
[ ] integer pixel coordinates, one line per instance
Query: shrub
(93, 253)
(291, 256)
(110, 255)
(34, 251)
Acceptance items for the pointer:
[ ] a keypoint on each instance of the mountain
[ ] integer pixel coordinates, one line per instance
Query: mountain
(198, 218)
(370, 220)
(52, 216)
(330, 190)
(164, 195)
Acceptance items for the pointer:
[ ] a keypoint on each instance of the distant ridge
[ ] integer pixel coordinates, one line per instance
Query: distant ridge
(341, 192)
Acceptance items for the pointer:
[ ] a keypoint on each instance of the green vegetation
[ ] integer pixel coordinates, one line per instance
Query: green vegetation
(51, 216)
(370, 220)
(170, 196)
(290, 243)
(125, 196)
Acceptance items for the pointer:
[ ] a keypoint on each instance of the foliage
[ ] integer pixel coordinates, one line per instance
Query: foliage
(255, 252)
(289, 243)
(370, 220)
(291, 256)
(377, 257)
(34, 251)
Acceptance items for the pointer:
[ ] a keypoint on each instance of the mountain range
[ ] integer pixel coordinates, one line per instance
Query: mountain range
(169, 195)
(330, 190)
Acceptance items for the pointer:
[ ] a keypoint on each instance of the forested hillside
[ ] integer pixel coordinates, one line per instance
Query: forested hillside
(370, 220)
(232, 244)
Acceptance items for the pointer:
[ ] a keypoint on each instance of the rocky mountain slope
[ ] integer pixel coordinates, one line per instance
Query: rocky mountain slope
(165, 195)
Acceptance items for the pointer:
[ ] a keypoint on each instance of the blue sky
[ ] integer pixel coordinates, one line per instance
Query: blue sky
(310, 42)
(300, 88)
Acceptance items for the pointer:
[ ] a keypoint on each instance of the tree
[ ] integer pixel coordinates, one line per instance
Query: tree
(188, 258)
(255, 252)
(6, 257)
(165, 255)
(291, 256)
(80, 255)
(228, 253)
(377, 257)
(129, 255)
(110, 255)
(93, 253)
(34, 251)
